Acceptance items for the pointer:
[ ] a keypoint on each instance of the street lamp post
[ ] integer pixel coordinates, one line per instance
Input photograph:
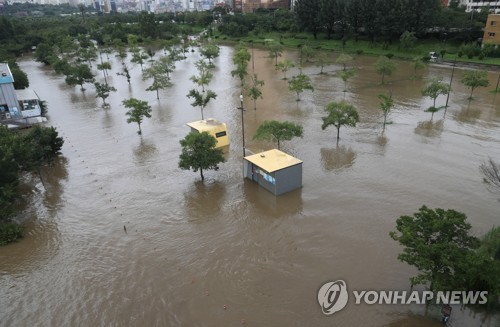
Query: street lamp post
(242, 123)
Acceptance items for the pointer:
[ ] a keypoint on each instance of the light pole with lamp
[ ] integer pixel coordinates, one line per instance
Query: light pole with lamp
(242, 123)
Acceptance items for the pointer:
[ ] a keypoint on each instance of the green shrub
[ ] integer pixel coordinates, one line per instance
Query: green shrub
(389, 55)
(481, 56)
(359, 52)
(10, 232)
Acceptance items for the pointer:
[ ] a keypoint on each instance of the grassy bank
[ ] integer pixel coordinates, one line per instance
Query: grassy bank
(421, 49)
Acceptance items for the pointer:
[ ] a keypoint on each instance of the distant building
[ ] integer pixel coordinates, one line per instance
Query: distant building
(492, 30)
(470, 5)
(250, 6)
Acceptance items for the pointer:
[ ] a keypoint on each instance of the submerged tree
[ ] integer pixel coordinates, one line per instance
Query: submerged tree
(274, 130)
(201, 99)
(345, 75)
(433, 89)
(105, 66)
(204, 74)
(340, 114)
(474, 79)
(321, 61)
(418, 64)
(102, 91)
(255, 91)
(79, 75)
(125, 72)
(436, 242)
(160, 78)
(344, 59)
(491, 172)
(275, 51)
(284, 66)
(138, 57)
(210, 51)
(386, 103)
(300, 83)
(138, 109)
(306, 53)
(199, 153)
(384, 66)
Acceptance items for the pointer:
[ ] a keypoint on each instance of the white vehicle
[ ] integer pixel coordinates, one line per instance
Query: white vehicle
(433, 56)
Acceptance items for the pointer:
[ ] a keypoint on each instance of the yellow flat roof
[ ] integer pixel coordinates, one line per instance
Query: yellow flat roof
(206, 125)
(273, 160)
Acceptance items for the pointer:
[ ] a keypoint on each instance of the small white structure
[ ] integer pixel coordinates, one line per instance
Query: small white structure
(212, 127)
(29, 103)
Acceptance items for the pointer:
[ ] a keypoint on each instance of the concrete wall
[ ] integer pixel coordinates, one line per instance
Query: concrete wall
(288, 179)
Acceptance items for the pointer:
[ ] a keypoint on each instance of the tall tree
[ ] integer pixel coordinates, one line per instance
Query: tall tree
(148, 24)
(300, 83)
(384, 66)
(308, 15)
(278, 131)
(340, 114)
(435, 242)
(138, 109)
(474, 79)
(328, 15)
(199, 153)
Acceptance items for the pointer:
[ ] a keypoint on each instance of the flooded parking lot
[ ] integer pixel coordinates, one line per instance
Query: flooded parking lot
(225, 252)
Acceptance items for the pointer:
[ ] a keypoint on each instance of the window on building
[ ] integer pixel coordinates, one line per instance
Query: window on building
(491, 34)
(493, 23)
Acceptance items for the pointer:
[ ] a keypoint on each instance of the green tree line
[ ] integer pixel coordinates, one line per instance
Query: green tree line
(21, 153)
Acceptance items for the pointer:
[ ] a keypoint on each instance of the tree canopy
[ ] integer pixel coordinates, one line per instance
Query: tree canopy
(340, 114)
(199, 153)
(278, 131)
(436, 242)
(474, 79)
(138, 109)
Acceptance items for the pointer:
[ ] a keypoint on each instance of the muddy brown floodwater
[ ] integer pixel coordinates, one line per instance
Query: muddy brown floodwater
(225, 252)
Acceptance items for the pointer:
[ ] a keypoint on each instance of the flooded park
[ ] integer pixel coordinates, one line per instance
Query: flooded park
(225, 252)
